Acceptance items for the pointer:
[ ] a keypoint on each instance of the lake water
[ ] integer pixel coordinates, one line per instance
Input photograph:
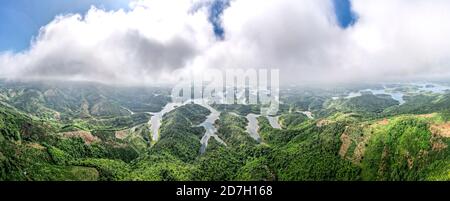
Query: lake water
(433, 88)
(208, 124)
(211, 130)
(156, 119)
(274, 122)
(398, 95)
(253, 126)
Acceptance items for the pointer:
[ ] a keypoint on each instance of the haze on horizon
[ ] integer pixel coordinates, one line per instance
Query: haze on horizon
(149, 41)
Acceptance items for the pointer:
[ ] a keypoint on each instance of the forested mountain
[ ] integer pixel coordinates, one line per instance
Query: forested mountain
(86, 131)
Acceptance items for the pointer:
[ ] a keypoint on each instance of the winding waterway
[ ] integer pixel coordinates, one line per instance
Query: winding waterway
(253, 126)
(211, 130)
(274, 121)
(156, 120)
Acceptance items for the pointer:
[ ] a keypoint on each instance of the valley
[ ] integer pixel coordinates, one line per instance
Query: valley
(89, 131)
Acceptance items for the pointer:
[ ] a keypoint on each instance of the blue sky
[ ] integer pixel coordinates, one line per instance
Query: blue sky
(20, 20)
(216, 9)
(346, 17)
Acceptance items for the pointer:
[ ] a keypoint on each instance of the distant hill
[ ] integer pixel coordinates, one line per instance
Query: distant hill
(95, 132)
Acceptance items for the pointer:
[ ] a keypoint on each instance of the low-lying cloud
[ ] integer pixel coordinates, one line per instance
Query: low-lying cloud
(392, 40)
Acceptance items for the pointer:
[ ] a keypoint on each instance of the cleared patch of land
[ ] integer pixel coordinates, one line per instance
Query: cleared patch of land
(442, 130)
(87, 137)
(346, 142)
(121, 134)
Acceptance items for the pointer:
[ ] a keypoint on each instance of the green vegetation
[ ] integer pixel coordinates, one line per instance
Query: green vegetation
(292, 121)
(179, 134)
(367, 104)
(403, 151)
(93, 132)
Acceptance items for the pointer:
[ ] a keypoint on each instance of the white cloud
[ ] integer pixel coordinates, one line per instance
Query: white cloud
(139, 46)
(403, 38)
(392, 39)
(301, 38)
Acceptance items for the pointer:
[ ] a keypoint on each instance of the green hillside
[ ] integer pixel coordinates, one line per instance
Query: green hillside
(98, 133)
